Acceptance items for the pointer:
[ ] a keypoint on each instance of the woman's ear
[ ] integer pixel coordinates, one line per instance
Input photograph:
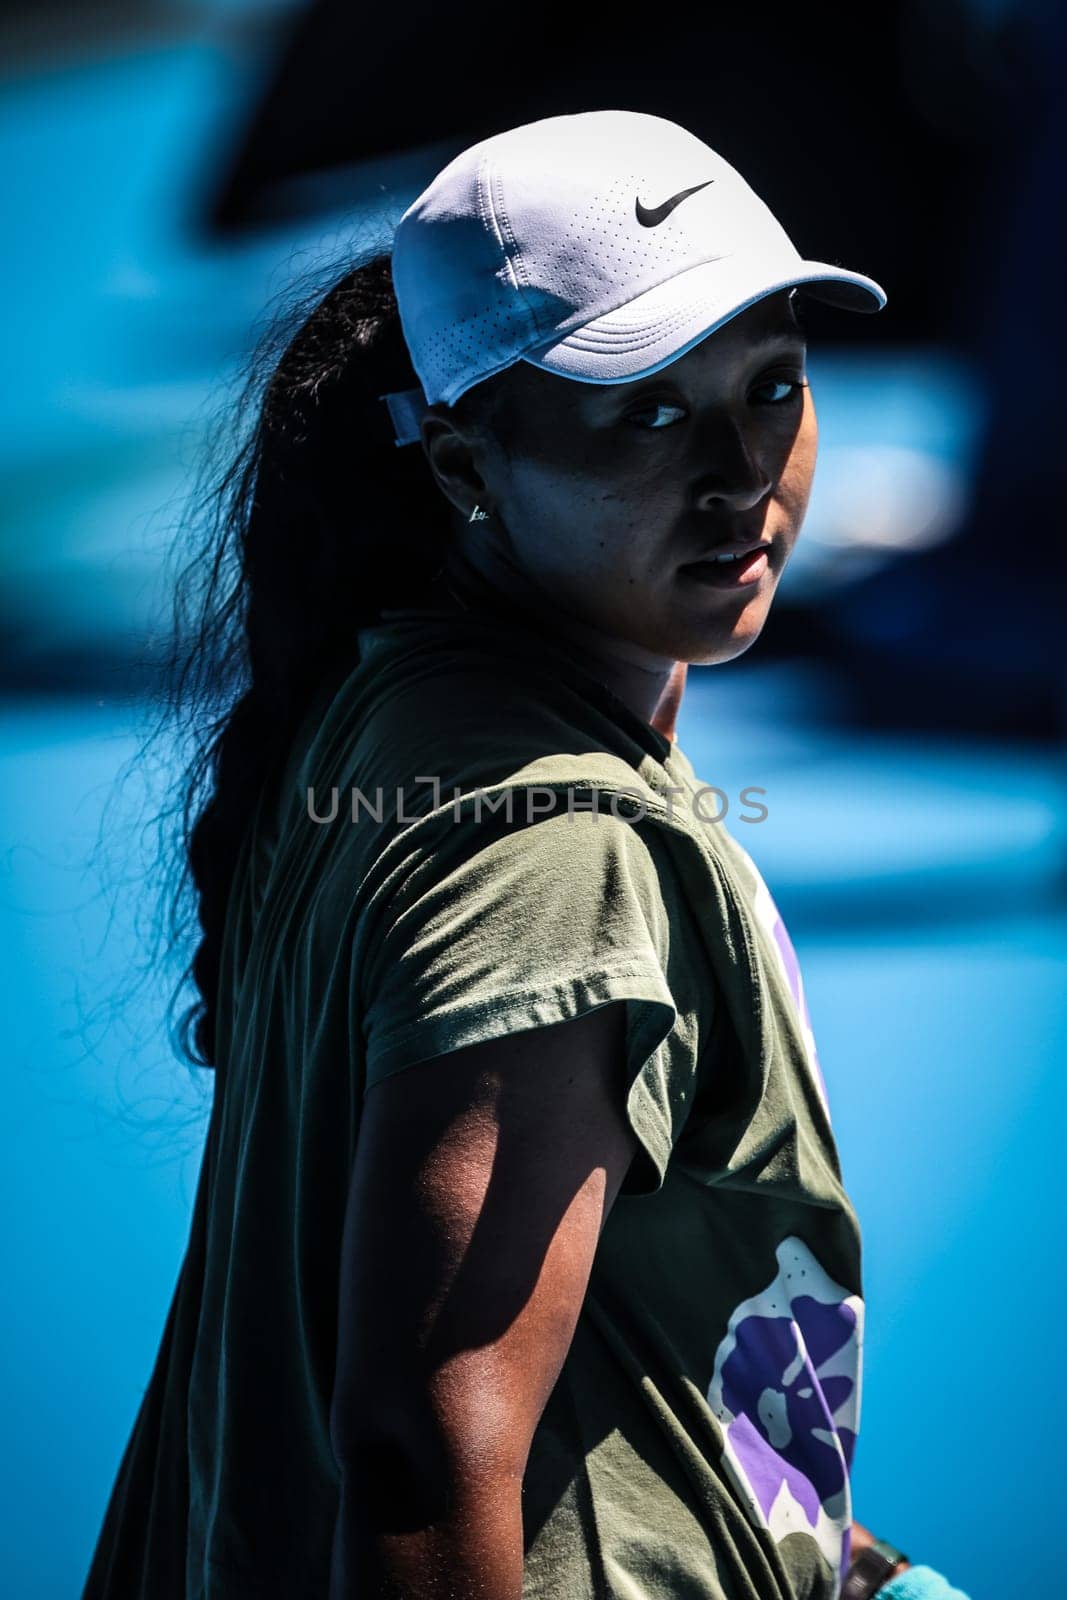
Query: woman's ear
(450, 447)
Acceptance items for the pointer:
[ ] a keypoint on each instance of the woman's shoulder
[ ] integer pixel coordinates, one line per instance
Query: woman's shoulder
(465, 704)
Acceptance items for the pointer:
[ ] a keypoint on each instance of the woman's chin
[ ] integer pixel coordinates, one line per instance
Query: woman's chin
(723, 624)
(706, 646)
(708, 638)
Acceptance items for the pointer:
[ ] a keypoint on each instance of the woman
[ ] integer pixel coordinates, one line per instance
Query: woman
(520, 1262)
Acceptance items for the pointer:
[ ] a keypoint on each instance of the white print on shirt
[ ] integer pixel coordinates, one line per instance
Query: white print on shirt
(773, 924)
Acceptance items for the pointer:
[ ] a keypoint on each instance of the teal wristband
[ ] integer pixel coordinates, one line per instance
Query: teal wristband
(920, 1583)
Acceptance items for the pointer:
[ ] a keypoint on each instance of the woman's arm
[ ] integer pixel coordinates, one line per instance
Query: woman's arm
(862, 1537)
(481, 1183)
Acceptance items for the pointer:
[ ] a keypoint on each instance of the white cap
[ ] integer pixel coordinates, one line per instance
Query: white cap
(600, 245)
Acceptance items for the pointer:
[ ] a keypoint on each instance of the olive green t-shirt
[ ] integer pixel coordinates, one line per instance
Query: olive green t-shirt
(475, 837)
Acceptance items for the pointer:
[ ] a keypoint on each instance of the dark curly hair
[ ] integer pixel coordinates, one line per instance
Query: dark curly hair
(317, 522)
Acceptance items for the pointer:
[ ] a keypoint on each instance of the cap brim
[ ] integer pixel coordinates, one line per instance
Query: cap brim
(660, 325)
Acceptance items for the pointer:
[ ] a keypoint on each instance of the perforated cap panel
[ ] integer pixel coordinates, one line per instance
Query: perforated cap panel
(538, 231)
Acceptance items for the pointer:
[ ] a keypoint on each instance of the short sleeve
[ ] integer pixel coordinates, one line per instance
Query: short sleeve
(517, 928)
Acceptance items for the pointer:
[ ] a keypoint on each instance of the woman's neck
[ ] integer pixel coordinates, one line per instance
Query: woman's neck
(650, 685)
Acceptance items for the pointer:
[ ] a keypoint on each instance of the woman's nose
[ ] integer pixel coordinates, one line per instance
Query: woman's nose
(733, 474)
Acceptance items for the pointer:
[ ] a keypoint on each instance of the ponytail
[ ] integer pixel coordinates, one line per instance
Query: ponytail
(318, 523)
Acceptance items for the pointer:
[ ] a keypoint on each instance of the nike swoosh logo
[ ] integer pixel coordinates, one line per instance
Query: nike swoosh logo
(652, 216)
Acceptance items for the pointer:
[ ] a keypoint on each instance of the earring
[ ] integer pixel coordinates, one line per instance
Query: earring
(478, 515)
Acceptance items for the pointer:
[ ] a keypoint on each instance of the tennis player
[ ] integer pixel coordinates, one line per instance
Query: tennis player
(520, 1266)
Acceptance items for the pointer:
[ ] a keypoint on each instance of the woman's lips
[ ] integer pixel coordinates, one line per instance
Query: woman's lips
(744, 569)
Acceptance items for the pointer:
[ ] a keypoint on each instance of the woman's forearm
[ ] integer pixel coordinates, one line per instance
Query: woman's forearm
(460, 1541)
(862, 1537)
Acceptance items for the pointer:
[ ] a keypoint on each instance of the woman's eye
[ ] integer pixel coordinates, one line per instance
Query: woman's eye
(655, 411)
(783, 389)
